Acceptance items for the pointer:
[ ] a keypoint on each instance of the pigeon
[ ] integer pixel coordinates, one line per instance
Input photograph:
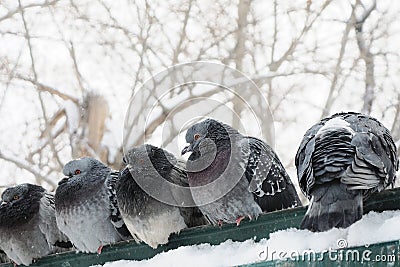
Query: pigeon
(3, 257)
(148, 218)
(341, 161)
(246, 175)
(86, 209)
(28, 228)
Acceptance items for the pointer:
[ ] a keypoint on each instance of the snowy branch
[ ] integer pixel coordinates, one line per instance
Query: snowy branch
(338, 71)
(367, 56)
(28, 166)
(15, 11)
(28, 38)
(304, 56)
(46, 88)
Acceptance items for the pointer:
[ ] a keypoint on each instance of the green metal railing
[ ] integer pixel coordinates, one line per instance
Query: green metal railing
(257, 229)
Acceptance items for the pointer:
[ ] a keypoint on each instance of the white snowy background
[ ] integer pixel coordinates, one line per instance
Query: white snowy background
(69, 68)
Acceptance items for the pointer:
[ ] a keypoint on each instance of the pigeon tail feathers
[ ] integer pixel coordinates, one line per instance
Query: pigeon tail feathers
(333, 205)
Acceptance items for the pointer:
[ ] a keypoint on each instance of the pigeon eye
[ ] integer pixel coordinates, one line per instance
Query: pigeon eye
(16, 197)
(196, 137)
(77, 172)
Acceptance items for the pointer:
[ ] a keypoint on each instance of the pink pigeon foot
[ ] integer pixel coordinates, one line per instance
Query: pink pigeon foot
(239, 219)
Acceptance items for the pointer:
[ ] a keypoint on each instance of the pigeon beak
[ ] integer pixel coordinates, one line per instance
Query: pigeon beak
(186, 149)
(125, 171)
(3, 203)
(63, 181)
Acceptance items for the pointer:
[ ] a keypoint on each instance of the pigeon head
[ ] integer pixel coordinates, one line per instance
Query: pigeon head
(19, 204)
(19, 193)
(136, 158)
(208, 130)
(147, 157)
(81, 176)
(134, 155)
(83, 170)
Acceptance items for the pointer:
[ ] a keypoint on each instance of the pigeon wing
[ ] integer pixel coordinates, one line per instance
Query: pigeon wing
(303, 159)
(375, 161)
(48, 225)
(115, 214)
(268, 179)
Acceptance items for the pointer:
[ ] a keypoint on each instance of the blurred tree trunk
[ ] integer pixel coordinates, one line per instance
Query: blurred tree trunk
(239, 53)
(395, 130)
(93, 116)
(367, 57)
(283, 46)
(332, 95)
(98, 112)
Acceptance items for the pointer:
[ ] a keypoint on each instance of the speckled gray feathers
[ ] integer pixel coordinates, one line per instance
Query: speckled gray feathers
(28, 228)
(263, 185)
(342, 160)
(148, 219)
(83, 206)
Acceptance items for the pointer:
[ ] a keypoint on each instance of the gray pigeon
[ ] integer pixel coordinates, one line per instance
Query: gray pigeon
(28, 228)
(148, 219)
(247, 176)
(86, 208)
(341, 161)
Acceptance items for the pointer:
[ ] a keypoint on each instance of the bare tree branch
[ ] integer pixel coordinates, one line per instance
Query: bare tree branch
(275, 64)
(239, 51)
(76, 67)
(337, 72)
(11, 13)
(178, 48)
(51, 142)
(46, 88)
(395, 130)
(26, 166)
(122, 46)
(367, 56)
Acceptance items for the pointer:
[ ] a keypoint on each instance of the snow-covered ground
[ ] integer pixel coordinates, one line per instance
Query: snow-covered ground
(372, 228)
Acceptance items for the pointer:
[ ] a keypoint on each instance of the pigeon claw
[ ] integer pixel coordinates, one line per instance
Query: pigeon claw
(99, 249)
(239, 219)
